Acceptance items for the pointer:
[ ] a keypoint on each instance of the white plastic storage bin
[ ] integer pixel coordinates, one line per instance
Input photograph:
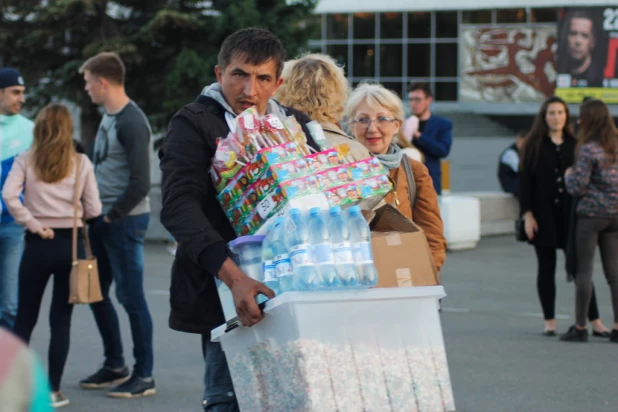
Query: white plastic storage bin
(374, 350)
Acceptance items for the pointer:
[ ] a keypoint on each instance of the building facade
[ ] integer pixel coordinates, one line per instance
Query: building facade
(487, 56)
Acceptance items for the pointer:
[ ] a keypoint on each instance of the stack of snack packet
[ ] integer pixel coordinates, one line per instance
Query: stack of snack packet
(266, 164)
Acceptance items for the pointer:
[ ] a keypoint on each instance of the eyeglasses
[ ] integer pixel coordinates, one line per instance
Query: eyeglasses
(381, 122)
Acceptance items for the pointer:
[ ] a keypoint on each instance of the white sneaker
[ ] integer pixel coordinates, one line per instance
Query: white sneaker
(58, 400)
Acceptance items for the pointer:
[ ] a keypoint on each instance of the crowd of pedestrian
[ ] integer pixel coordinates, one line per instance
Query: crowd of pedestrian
(549, 169)
(50, 189)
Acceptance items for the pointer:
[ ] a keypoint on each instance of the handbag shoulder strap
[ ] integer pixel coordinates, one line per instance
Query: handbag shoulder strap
(410, 177)
(76, 200)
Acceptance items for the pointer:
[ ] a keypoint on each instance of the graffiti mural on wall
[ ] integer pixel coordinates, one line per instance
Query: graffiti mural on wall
(507, 65)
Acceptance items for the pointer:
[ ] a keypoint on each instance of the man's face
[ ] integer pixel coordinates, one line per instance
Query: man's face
(95, 87)
(245, 85)
(581, 38)
(12, 99)
(419, 102)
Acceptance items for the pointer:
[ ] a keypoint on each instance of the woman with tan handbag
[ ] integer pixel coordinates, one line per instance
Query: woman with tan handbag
(53, 179)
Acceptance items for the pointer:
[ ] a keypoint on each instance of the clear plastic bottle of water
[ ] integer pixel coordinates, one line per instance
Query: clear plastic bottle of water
(360, 236)
(342, 248)
(269, 269)
(297, 240)
(322, 250)
(283, 265)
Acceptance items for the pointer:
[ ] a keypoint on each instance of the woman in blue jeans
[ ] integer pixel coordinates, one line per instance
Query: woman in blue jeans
(594, 179)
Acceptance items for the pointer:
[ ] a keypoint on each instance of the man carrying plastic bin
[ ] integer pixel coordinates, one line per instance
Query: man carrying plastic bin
(248, 72)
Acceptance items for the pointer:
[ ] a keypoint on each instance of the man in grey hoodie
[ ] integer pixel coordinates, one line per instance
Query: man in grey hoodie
(121, 158)
(248, 73)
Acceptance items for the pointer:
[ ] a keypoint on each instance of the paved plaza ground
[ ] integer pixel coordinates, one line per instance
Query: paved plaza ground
(492, 326)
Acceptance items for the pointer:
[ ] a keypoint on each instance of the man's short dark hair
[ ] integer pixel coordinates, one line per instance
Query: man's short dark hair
(424, 87)
(256, 46)
(581, 14)
(587, 98)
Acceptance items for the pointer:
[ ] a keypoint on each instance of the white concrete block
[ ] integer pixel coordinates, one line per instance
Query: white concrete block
(462, 221)
(498, 212)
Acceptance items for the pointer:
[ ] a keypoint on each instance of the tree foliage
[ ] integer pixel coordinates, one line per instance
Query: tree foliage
(170, 47)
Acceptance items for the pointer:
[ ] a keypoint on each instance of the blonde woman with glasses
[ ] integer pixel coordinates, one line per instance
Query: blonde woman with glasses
(375, 115)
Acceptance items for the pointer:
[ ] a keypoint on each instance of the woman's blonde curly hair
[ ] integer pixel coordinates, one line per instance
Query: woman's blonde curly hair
(314, 84)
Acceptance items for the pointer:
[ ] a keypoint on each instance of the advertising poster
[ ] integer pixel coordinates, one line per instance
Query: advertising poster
(588, 54)
(507, 65)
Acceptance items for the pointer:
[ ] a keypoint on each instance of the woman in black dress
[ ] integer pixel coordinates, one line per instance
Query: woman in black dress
(548, 151)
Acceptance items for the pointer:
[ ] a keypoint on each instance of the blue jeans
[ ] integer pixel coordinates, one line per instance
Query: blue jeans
(11, 250)
(219, 392)
(119, 248)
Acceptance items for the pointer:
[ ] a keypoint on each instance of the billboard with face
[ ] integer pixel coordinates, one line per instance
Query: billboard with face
(588, 53)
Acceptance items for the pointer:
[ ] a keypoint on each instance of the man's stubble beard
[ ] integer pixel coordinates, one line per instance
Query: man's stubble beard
(578, 66)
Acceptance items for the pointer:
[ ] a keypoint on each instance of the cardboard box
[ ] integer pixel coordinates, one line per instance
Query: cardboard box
(400, 251)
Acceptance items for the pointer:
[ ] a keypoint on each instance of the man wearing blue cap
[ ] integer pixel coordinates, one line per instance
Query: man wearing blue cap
(15, 138)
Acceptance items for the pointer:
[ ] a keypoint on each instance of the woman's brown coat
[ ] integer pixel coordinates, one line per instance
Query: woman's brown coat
(426, 212)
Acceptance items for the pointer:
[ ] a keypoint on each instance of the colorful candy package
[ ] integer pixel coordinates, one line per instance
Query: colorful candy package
(366, 168)
(280, 173)
(297, 134)
(321, 161)
(375, 187)
(336, 176)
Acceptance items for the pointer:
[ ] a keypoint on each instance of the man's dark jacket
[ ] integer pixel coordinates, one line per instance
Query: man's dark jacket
(192, 214)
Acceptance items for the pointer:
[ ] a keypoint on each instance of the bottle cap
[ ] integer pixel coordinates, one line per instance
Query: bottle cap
(335, 210)
(354, 210)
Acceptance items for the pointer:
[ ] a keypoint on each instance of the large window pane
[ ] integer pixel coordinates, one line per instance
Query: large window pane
(446, 60)
(476, 16)
(336, 26)
(446, 24)
(340, 54)
(391, 59)
(544, 15)
(511, 15)
(391, 25)
(419, 25)
(394, 86)
(446, 91)
(364, 59)
(418, 60)
(364, 25)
